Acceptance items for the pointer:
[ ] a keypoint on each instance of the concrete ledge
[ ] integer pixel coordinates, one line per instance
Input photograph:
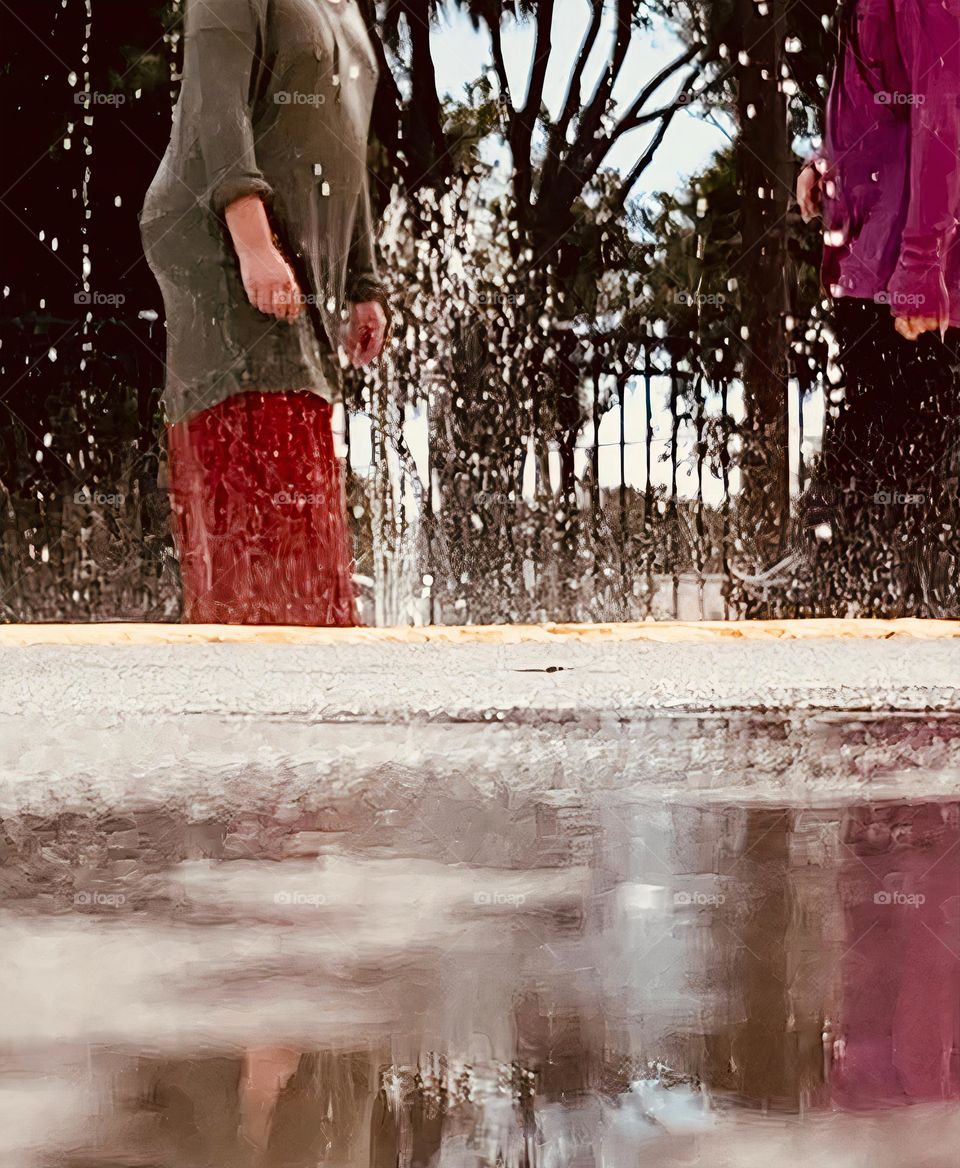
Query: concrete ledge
(368, 678)
(669, 632)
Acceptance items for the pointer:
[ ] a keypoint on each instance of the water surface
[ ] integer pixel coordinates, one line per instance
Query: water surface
(454, 979)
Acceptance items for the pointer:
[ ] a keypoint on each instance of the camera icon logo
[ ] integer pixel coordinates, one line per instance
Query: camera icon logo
(482, 898)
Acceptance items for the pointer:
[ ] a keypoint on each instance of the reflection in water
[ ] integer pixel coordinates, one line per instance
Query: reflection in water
(457, 982)
(900, 984)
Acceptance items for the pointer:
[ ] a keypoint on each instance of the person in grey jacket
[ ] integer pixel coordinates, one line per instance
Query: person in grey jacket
(258, 228)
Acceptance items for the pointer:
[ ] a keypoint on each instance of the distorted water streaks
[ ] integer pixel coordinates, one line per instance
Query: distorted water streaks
(623, 978)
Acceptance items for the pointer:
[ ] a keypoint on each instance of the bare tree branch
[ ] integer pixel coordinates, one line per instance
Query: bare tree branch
(575, 169)
(593, 115)
(522, 125)
(647, 156)
(426, 111)
(633, 119)
(558, 133)
(496, 44)
(629, 119)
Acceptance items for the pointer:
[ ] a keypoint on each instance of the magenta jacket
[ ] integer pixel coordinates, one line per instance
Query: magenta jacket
(890, 170)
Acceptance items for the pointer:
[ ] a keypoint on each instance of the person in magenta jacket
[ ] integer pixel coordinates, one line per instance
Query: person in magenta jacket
(888, 178)
(887, 184)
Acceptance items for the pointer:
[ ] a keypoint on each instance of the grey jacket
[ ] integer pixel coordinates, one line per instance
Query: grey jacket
(276, 99)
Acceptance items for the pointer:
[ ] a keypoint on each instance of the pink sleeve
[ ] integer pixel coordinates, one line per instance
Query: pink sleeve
(928, 32)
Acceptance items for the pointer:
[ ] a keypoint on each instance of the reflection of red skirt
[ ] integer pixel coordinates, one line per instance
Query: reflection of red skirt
(259, 513)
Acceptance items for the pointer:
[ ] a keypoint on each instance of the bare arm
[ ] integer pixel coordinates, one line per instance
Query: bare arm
(267, 277)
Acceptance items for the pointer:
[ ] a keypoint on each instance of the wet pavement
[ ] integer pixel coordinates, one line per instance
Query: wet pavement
(539, 906)
(456, 978)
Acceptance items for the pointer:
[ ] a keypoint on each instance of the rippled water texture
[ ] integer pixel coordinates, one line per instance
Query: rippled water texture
(464, 978)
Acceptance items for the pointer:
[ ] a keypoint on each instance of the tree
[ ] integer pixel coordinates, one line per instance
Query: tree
(517, 377)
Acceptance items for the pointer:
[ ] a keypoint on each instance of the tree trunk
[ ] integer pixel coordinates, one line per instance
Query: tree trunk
(764, 172)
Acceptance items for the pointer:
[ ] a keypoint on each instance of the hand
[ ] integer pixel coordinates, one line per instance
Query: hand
(366, 332)
(808, 192)
(270, 283)
(911, 327)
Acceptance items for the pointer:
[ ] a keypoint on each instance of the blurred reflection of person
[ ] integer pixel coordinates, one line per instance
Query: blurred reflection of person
(898, 1036)
(273, 1108)
(258, 228)
(887, 183)
(266, 1072)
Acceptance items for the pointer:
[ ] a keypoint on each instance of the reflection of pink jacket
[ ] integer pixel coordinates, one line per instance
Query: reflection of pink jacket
(891, 168)
(900, 1012)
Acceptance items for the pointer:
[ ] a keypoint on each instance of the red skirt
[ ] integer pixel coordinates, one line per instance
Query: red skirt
(259, 513)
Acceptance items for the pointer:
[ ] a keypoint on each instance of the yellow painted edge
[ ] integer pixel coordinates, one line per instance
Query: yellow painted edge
(14, 635)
